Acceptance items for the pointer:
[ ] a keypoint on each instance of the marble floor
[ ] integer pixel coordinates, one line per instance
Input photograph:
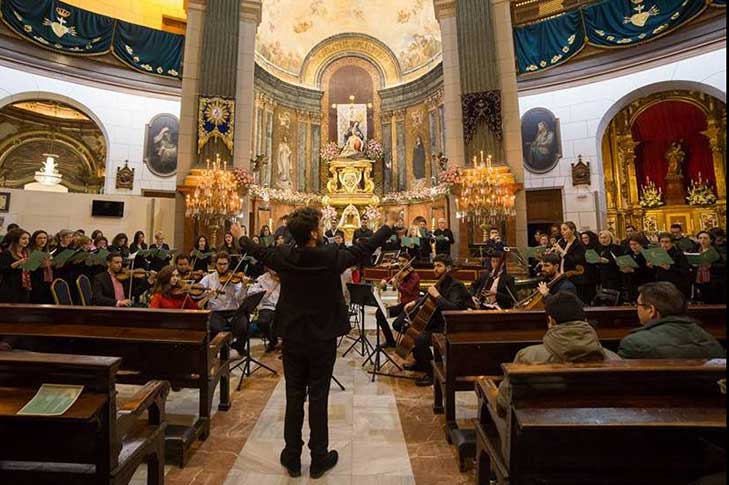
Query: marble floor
(385, 431)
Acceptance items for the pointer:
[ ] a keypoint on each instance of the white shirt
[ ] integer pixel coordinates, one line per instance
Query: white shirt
(272, 286)
(230, 300)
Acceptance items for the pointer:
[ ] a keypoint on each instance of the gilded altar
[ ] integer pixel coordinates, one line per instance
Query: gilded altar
(350, 183)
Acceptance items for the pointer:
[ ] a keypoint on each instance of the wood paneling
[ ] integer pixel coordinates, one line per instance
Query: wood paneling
(544, 205)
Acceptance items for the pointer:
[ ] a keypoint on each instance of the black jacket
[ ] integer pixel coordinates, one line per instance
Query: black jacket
(11, 281)
(679, 273)
(362, 233)
(104, 289)
(610, 275)
(311, 304)
(505, 285)
(443, 246)
(453, 296)
(155, 263)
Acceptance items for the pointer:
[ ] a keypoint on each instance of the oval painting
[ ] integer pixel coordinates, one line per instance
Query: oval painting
(542, 141)
(160, 146)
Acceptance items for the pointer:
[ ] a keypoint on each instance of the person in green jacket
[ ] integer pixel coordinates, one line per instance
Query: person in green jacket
(667, 332)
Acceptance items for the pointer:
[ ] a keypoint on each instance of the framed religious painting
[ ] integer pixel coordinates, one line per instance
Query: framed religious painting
(542, 140)
(4, 201)
(160, 145)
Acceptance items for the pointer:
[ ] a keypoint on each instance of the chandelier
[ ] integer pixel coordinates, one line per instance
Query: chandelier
(487, 193)
(216, 197)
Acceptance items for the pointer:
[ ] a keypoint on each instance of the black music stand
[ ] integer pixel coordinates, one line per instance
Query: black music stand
(247, 306)
(361, 295)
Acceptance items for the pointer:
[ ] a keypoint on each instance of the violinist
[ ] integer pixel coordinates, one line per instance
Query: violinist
(494, 290)
(110, 290)
(407, 283)
(551, 264)
(168, 292)
(452, 295)
(270, 283)
(225, 302)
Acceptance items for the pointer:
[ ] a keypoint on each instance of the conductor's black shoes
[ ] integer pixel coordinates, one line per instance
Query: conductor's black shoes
(320, 467)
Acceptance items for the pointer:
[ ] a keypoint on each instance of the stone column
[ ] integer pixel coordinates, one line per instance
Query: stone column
(187, 146)
(445, 12)
(511, 120)
(250, 17)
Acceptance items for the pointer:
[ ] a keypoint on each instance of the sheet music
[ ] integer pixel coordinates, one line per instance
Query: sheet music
(379, 301)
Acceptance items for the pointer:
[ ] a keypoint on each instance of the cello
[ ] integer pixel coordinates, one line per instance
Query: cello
(535, 301)
(423, 312)
(483, 294)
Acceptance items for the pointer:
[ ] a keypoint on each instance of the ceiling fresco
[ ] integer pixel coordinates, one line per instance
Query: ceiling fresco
(291, 28)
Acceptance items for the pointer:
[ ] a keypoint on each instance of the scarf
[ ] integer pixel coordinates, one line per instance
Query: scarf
(24, 274)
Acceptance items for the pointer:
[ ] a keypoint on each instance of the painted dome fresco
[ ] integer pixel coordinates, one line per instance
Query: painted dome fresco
(291, 28)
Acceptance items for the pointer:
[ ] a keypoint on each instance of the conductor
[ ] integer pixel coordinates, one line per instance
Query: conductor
(310, 315)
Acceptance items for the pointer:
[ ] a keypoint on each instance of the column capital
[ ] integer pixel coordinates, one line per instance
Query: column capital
(196, 4)
(444, 8)
(251, 11)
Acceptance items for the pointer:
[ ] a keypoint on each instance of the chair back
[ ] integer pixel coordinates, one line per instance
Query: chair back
(606, 297)
(61, 292)
(84, 289)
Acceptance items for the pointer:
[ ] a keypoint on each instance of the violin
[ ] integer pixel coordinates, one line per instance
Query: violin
(402, 273)
(195, 291)
(232, 278)
(196, 275)
(137, 273)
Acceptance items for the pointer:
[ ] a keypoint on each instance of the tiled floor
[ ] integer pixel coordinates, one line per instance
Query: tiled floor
(385, 432)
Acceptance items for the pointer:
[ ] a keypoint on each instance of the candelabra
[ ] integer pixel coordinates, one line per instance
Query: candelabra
(487, 193)
(216, 198)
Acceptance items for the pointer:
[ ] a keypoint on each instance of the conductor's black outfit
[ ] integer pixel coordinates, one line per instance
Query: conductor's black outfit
(310, 315)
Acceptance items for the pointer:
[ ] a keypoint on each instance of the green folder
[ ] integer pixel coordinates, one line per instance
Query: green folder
(162, 253)
(34, 260)
(62, 258)
(592, 257)
(411, 242)
(705, 258)
(79, 257)
(197, 254)
(626, 261)
(52, 400)
(657, 256)
(98, 258)
(266, 241)
(535, 252)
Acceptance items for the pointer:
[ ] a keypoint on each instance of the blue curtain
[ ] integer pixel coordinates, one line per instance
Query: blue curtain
(59, 26)
(548, 43)
(149, 50)
(618, 23)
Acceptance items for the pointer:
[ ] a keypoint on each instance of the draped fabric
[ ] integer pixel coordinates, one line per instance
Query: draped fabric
(484, 106)
(71, 30)
(607, 24)
(59, 26)
(616, 23)
(549, 43)
(149, 50)
(659, 126)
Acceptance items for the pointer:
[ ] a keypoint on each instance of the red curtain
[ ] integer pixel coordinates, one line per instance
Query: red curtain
(659, 126)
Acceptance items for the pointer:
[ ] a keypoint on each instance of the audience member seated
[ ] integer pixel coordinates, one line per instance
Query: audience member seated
(667, 332)
(569, 338)
(168, 292)
(270, 283)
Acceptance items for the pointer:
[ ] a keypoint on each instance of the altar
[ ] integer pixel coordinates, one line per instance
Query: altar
(350, 186)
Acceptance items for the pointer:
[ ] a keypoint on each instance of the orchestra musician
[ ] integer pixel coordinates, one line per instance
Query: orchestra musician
(452, 295)
(182, 264)
(168, 292)
(572, 252)
(551, 268)
(110, 290)
(408, 287)
(225, 300)
(493, 291)
(270, 283)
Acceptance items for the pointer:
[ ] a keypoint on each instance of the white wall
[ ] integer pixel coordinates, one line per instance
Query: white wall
(122, 118)
(52, 211)
(584, 113)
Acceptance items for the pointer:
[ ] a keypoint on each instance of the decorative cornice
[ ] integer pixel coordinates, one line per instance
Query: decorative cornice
(281, 92)
(251, 11)
(444, 9)
(414, 92)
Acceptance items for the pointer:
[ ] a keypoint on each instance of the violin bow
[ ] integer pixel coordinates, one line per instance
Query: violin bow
(225, 285)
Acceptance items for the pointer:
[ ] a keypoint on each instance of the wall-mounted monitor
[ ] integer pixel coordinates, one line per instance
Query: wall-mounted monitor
(107, 208)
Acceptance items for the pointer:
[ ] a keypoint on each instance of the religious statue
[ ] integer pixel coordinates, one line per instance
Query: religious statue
(675, 156)
(284, 163)
(354, 142)
(540, 149)
(418, 159)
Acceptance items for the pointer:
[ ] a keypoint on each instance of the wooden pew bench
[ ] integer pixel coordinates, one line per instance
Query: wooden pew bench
(476, 343)
(618, 422)
(98, 440)
(168, 345)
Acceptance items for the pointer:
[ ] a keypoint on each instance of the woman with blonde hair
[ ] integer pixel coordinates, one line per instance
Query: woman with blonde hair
(156, 262)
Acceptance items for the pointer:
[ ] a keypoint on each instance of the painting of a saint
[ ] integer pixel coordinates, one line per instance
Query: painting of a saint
(161, 145)
(542, 144)
(353, 142)
(418, 159)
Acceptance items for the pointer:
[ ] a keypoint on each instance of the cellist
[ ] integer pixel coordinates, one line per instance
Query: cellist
(450, 294)
(494, 290)
(551, 263)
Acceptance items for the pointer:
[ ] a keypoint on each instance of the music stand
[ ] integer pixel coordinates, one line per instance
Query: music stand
(247, 306)
(360, 295)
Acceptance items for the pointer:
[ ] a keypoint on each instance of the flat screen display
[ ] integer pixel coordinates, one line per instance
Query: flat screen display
(107, 208)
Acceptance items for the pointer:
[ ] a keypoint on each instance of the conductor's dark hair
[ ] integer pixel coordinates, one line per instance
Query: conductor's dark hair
(302, 222)
(564, 307)
(443, 258)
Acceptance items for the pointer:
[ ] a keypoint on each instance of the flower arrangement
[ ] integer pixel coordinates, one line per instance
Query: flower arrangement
(330, 151)
(451, 175)
(425, 193)
(373, 215)
(284, 195)
(328, 216)
(244, 178)
(373, 150)
(700, 193)
(651, 196)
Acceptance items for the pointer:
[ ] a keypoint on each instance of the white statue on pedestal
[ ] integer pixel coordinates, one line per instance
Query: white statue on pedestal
(284, 164)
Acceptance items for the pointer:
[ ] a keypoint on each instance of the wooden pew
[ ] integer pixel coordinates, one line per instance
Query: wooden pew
(476, 343)
(170, 345)
(641, 421)
(96, 441)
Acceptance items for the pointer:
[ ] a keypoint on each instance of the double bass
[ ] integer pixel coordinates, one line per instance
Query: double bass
(423, 312)
(536, 299)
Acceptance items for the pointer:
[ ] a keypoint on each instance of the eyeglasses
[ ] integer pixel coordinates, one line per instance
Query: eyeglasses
(644, 305)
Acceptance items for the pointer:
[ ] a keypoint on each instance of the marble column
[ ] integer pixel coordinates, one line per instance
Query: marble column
(187, 146)
(250, 18)
(511, 120)
(445, 12)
